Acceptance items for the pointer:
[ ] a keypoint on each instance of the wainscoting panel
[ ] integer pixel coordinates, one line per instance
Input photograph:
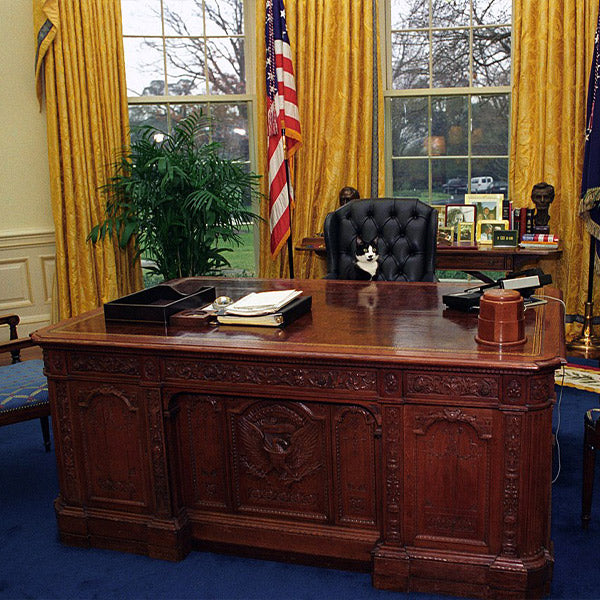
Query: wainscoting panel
(27, 267)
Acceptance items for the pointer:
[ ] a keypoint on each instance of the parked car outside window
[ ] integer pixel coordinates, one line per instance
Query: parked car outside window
(481, 184)
(456, 185)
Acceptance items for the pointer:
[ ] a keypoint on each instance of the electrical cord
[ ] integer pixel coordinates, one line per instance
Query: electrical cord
(556, 440)
(560, 394)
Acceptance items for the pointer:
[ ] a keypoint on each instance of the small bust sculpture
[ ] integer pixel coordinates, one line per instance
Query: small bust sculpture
(348, 193)
(542, 196)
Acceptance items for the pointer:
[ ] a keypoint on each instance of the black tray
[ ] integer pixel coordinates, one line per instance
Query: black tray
(158, 303)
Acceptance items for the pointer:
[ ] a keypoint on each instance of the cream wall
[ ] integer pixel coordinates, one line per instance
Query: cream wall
(26, 227)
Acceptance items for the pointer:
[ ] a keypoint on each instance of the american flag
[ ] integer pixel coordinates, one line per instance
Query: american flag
(283, 122)
(589, 208)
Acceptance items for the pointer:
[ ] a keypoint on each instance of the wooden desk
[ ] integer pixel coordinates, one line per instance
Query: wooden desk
(373, 432)
(467, 259)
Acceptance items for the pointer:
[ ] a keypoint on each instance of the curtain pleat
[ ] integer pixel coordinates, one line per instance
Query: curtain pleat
(82, 66)
(333, 55)
(552, 52)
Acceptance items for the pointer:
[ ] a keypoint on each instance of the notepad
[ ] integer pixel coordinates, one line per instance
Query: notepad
(262, 303)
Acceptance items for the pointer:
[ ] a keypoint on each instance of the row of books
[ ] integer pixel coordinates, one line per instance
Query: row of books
(522, 220)
(539, 240)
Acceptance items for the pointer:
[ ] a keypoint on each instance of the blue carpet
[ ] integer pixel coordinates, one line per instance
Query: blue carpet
(33, 563)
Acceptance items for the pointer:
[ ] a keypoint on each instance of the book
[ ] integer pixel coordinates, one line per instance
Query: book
(529, 212)
(284, 316)
(523, 223)
(261, 303)
(539, 245)
(540, 237)
(517, 221)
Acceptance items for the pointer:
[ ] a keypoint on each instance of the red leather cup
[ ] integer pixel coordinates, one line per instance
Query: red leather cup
(501, 319)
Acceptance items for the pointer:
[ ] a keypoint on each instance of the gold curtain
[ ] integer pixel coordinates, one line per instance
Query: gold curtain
(80, 66)
(332, 48)
(552, 53)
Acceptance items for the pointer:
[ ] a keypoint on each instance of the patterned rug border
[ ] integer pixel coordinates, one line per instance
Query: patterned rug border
(582, 377)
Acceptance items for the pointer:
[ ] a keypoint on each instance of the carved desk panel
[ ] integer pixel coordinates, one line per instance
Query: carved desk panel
(375, 435)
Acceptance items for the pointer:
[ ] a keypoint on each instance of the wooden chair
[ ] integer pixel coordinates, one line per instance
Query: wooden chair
(23, 386)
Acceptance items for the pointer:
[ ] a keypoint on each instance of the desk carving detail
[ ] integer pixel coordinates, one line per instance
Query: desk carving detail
(257, 374)
(275, 439)
(511, 485)
(454, 386)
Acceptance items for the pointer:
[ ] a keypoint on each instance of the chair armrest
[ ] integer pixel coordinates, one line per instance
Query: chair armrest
(12, 321)
(15, 346)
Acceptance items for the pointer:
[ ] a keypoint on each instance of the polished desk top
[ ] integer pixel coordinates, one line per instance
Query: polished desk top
(359, 322)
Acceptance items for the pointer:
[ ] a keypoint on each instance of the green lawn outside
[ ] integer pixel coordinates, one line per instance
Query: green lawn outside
(241, 259)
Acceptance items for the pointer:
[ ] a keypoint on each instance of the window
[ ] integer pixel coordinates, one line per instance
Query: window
(447, 97)
(184, 54)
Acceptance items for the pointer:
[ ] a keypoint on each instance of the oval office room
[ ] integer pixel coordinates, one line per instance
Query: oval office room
(262, 368)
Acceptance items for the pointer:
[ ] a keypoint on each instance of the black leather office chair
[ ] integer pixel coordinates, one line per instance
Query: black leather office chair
(406, 233)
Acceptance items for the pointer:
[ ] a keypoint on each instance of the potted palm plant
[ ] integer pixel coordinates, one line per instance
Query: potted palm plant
(181, 201)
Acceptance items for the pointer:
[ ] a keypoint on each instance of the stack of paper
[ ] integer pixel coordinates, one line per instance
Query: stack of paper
(262, 303)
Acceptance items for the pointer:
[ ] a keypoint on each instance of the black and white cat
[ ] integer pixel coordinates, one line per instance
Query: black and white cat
(366, 264)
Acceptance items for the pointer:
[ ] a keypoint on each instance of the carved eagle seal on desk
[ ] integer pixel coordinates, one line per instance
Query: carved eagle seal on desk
(283, 448)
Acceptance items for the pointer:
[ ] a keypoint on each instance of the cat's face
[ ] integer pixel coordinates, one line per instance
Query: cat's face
(366, 252)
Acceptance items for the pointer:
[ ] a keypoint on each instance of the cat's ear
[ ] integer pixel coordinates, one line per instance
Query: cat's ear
(375, 242)
(358, 240)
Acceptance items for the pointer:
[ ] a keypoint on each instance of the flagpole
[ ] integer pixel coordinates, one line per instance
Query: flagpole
(587, 342)
(290, 246)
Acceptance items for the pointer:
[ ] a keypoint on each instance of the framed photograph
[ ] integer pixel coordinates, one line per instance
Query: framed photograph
(441, 210)
(488, 207)
(485, 230)
(466, 232)
(460, 213)
(445, 236)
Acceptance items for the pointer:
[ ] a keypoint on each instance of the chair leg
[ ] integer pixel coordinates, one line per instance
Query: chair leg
(45, 432)
(589, 461)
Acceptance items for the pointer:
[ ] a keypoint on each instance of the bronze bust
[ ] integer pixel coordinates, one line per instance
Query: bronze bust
(348, 193)
(542, 196)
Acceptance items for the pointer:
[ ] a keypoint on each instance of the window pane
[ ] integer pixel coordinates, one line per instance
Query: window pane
(154, 115)
(449, 181)
(410, 60)
(183, 17)
(409, 126)
(231, 129)
(144, 66)
(177, 112)
(490, 116)
(225, 62)
(496, 168)
(141, 18)
(451, 58)
(224, 17)
(409, 14)
(410, 178)
(185, 66)
(450, 14)
(449, 117)
(491, 56)
(492, 11)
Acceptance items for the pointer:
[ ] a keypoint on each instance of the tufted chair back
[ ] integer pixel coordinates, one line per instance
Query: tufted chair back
(406, 233)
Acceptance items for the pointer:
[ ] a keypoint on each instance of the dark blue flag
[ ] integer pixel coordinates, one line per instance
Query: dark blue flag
(590, 183)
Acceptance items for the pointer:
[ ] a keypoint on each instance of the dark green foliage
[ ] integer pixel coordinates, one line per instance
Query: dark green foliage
(183, 204)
